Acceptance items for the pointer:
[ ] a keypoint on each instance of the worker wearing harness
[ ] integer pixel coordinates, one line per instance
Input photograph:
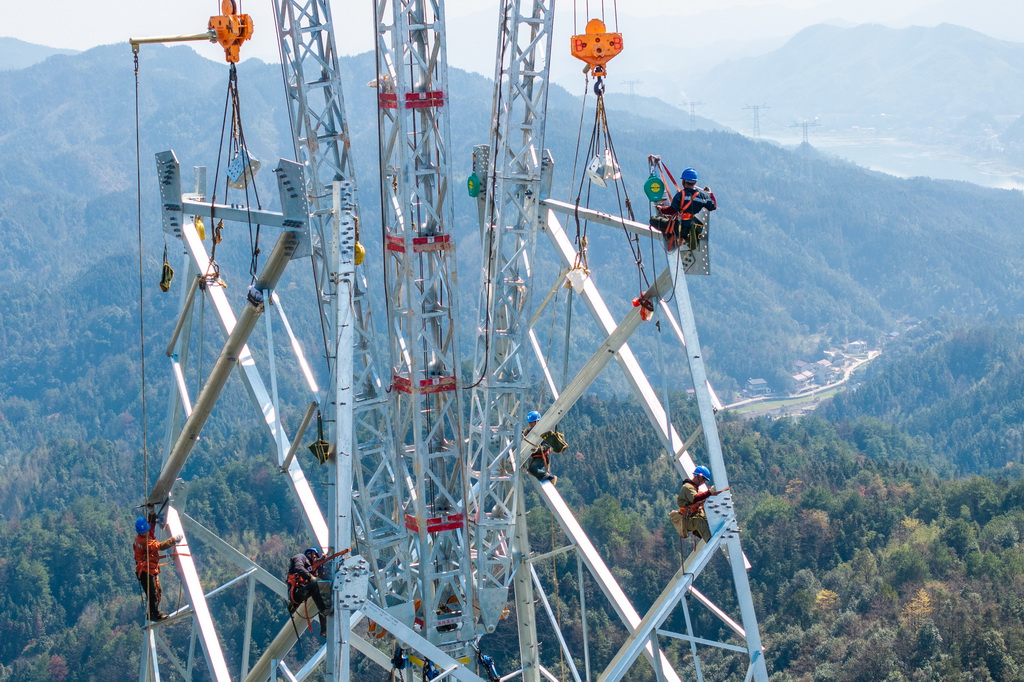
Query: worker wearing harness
(147, 563)
(685, 206)
(302, 585)
(539, 459)
(691, 517)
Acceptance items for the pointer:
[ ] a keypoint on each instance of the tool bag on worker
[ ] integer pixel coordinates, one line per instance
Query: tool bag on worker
(679, 523)
(662, 223)
(554, 440)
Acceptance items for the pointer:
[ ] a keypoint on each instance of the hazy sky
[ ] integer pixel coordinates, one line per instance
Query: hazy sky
(80, 25)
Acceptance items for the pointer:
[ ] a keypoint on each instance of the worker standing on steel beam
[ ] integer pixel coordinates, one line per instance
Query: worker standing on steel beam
(147, 563)
(303, 571)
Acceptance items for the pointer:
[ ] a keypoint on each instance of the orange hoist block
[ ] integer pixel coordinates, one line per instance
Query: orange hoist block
(596, 47)
(232, 29)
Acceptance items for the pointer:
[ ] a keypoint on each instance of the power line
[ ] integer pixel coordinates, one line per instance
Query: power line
(631, 84)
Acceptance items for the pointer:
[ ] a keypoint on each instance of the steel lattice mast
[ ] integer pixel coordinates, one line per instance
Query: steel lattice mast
(420, 275)
(320, 135)
(512, 164)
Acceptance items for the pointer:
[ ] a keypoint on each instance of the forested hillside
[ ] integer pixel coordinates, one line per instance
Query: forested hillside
(805, 249)
(960, 392)
(877, 554)
(863, 569)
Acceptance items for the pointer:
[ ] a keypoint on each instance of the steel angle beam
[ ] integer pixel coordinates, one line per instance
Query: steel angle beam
(234, 348)
(149, 668)
(290, 182)
(198, 531)
(257, 390)
(218, 667)
(180, 409)
(722, 615)
(642, 388)
(659, 611)
(554, 623)
(288, 636)
(667, 309)
(416, 642)
(706, 406)
(601, 357)
(695, 262)
(602, 575)
(602, 218)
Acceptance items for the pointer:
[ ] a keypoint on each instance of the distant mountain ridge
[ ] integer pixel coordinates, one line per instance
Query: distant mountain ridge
(805, 249)
(961, 392)
(870, 75)
(17, 54)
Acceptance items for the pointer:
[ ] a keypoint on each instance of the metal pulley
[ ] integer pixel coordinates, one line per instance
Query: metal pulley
(603, 168)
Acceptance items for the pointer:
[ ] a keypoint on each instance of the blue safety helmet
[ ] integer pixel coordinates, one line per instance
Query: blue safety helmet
(141, 525)
(312, 553)
(532, 417)
(703, 471)
(689, 175)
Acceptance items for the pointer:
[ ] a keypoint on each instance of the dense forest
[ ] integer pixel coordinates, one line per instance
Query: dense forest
(867, 563)
(884, 533)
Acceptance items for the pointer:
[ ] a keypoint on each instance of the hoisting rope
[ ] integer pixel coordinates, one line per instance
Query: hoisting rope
(492, 177)
(596, 47)
(142, 318)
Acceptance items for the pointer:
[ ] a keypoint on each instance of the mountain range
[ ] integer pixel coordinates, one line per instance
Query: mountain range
(907, 79)
(805, 249)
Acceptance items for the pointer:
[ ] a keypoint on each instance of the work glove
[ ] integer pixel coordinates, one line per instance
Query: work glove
(178, 538)
(706, 188)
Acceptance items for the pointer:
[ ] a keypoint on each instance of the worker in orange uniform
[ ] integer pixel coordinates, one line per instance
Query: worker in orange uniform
(147, 563)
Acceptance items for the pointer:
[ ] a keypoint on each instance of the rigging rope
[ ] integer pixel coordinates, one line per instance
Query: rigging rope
(142, 315)
(602, 149)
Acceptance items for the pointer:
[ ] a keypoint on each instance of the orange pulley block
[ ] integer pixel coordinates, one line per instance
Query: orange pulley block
(596, 47)
(232, 29)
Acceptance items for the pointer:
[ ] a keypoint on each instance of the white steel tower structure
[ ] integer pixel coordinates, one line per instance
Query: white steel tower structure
(434, 512)
(366, 488)
(512, 166)
(511, 171)
(420, 278)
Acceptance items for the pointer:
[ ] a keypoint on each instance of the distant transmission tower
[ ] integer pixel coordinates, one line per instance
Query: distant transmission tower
(693, 112)
(757, 116)
(631, 84)
(805, 125)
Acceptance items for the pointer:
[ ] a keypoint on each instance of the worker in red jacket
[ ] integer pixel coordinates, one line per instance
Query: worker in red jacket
(147, 563)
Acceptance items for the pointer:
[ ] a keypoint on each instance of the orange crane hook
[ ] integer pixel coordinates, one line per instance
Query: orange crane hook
(231, 29)
(596, 47)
